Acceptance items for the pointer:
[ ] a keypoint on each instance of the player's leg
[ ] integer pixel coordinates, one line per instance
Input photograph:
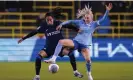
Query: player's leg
(70, 52)
(39, 57)
(86, 54)
(61, 43)
(74, 66)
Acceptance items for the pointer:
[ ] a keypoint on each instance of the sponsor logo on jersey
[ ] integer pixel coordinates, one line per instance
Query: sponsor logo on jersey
(53, 33)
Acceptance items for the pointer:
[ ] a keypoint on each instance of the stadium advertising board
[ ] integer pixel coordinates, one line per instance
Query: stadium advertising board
(102, 49)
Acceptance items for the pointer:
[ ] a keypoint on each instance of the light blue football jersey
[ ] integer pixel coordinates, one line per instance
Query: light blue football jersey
(85, 36)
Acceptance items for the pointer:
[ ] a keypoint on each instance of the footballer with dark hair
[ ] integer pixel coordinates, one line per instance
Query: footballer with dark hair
(48, 27)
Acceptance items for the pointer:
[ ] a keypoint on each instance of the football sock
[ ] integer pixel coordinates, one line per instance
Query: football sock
(73, 61)
(88, 66)
(38, 64)
(57, 51)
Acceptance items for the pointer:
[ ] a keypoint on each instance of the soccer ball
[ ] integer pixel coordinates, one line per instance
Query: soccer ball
(53, 68)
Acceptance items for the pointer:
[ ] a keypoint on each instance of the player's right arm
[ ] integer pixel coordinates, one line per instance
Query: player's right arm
(39, 29)
(27, 36)
(68, 22)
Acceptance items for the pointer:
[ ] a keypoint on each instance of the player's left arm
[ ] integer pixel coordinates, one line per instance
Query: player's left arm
(108, 8)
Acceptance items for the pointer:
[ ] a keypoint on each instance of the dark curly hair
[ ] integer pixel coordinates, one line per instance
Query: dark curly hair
(55, 13)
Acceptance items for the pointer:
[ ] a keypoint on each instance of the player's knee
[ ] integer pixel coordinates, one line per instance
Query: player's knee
(42, 54)
(61, 41)
(38, 56)
(88, 60)
(84, 50)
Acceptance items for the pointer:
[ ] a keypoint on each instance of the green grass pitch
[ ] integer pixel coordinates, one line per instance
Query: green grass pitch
(100, 71)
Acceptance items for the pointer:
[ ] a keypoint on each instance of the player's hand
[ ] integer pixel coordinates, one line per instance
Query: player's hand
(58, 27)
(109, 7)
(79, 30)
(20, 40)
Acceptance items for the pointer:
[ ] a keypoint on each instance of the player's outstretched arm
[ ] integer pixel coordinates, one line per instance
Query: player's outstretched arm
(66, 23)
(27, 36)
(108, 8)
(71, 26)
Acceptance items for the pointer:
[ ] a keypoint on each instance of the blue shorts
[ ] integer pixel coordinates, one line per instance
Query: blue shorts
(79, 46)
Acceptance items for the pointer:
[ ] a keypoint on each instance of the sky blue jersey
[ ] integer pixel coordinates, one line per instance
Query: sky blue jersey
(85, 36)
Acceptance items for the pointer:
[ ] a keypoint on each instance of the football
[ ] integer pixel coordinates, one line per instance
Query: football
(53, 68)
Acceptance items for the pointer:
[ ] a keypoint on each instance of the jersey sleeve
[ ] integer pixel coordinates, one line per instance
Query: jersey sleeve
(41, 28)
(71, 26)
(76, 22)
(30, 34)
(58, 22)
(98, 22)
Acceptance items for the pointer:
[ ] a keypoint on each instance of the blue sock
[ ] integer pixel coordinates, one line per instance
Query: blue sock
(88, 66)
(58, 49)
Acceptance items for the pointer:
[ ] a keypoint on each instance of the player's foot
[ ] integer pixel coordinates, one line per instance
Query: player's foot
(50, 61)
(78, 74)
(36, 78)
(89, 76)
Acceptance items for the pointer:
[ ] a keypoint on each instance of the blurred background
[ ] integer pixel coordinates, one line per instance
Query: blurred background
(112, 41)
(18, 18)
